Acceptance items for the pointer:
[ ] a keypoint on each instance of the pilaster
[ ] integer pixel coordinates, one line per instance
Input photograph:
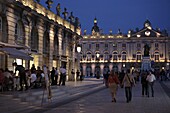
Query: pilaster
(60, 45)
(40, 47)
(51, 37)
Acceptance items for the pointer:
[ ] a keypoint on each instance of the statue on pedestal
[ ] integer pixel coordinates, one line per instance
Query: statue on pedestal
(146, 50)
(58, 9)
(71, 17)
(65, 13)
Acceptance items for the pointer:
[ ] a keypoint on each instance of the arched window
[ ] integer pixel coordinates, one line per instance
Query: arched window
(156, 56)
(123, 55)
(138, 55)
(89, 56)
(19, 33)
(115, 56)
(106, 56)
(34, 39)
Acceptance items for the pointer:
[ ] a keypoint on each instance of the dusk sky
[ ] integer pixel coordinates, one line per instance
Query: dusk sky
(115, 14)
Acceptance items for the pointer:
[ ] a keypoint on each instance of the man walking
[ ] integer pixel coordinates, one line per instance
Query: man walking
(151, 78)
(62, 76)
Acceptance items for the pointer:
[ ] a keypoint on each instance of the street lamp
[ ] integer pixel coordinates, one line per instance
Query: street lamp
(78, 50)
(98, 71)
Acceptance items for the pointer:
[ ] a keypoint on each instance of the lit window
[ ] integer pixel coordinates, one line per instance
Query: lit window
(156, 56)
(89, 56)
(115, 56)
(124, 56)
(106, 56)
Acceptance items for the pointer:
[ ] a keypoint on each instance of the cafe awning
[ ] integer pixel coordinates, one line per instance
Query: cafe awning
(15, 53)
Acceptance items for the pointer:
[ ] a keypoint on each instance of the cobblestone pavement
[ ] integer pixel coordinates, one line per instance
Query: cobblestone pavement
(100, 102)
(30, 101)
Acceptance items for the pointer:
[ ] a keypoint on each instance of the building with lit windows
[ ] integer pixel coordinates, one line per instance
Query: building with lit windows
(123, 51)
(32, 34)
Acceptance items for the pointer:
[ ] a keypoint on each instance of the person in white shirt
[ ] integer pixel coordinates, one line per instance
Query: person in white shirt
(33, 79)
(150, 78)
(62, 76)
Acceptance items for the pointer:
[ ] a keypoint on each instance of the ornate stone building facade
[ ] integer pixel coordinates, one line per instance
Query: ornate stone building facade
(123, 51)
(31, 34)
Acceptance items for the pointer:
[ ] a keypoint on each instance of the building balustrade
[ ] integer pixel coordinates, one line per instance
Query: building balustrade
(49, 14)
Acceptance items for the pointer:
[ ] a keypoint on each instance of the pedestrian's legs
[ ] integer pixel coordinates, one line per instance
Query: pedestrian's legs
(145, 89)
(52, 79)
(148, 89)
(151, 84)
(21, 87)
(25, 82)
(61, 78)
(127, 94)
(64, 79)
(56, 79)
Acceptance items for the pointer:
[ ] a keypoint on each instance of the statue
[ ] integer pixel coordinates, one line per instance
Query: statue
(71, 17)
(146, 50)
(49, 2)
(58, 9)
(65, 13)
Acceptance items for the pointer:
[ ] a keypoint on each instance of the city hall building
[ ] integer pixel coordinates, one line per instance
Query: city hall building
(32, 34)
(123, 51)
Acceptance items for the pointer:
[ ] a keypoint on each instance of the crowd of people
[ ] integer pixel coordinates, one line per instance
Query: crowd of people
(128, 80)
(21, 79)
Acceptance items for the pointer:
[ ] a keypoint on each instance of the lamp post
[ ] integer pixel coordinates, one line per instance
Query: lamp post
(78, 67)
(98, 72)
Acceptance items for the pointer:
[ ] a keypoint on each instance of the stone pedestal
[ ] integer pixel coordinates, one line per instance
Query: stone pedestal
(146, 64)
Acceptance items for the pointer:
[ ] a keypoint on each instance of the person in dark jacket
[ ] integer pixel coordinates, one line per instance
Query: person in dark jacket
(53, 76)
(22, 75)
(144, 83)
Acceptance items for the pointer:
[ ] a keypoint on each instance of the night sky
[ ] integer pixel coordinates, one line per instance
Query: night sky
(118, 14)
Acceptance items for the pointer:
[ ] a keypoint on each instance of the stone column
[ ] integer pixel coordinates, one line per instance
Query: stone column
(51, 37)
(40, 46)
(60, 45)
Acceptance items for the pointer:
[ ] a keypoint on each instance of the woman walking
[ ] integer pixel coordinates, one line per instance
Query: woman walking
(128, 82)
(113, 82)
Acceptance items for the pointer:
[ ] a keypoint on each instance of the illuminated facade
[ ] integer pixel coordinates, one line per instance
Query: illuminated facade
(123, 51)
(43, 35)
